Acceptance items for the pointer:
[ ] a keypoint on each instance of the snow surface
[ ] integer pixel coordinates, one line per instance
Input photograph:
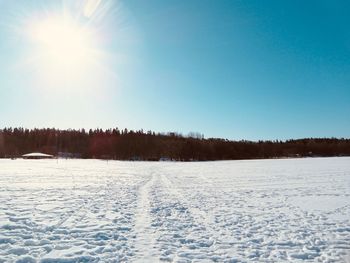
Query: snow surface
(233, 211)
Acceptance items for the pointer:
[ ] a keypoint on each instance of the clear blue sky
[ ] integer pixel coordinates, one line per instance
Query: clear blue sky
(232, 69)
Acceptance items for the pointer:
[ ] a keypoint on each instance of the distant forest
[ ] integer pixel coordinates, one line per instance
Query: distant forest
(139, 145)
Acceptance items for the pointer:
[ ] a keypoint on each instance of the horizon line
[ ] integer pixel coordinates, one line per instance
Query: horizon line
(191, 134)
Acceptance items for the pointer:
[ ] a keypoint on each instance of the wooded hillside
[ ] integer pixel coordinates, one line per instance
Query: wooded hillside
(140, 145)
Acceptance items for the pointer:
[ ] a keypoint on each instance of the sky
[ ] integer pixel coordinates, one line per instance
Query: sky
(231, 69)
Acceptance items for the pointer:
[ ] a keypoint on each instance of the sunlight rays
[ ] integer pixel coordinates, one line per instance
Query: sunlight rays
(90, 7)
(65, 44)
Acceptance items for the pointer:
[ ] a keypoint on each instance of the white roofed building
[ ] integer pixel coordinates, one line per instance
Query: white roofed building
(37, 156)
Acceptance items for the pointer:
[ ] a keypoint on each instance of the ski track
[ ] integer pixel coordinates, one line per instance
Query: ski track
(293, 210)
(145, 247)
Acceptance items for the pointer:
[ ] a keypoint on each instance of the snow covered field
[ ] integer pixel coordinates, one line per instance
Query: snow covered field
(232, 211)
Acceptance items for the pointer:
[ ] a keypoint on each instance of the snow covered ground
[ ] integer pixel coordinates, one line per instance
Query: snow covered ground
(232, 211)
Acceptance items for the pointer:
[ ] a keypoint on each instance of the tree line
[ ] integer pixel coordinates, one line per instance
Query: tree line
(140, 145)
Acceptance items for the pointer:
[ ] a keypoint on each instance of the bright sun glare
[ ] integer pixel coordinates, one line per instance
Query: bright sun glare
(64, 49)
(63, 42)
(66, 46)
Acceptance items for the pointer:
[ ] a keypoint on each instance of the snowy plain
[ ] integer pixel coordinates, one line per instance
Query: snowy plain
(286, 210)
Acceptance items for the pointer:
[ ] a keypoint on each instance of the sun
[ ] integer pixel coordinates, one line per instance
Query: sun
(68, 47)
(62, 42)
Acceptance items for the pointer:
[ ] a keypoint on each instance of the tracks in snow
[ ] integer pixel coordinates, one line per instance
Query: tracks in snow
(167, 227)
(145, 235)
(199, 216)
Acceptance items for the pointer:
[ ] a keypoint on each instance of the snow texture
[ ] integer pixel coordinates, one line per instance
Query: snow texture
(287, 210)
